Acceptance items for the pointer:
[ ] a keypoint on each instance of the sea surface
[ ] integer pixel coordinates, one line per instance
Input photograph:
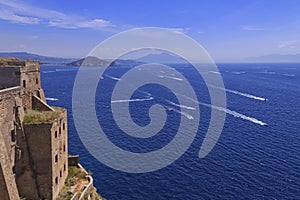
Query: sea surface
(256, 157)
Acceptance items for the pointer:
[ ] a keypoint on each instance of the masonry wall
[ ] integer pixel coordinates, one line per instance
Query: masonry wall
(33, 157)
(30, 80)
(10, 114)
(38, 146)
(30, 76)
(10, 77)
(60, 152)
(3, 188)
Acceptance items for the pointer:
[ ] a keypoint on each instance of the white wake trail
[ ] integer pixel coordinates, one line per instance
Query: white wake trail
(131, 100)
(51, 99)
(113, 78)
(230, 112)
(235, 114)
(181, 106)
(246, 95)
(183, 113)
(171, 77)
(241, 93)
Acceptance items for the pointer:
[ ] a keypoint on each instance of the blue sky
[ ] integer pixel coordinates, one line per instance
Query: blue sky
(229, 30)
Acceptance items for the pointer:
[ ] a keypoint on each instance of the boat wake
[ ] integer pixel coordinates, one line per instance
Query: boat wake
(180, 112)
(235, 114)
(290, 75)
(113, 78)
(250, 96)
(230, 112)
(131, 100)
(171, 77)
(181, 106)
(246, 95)
(51, 99)
(238, 73)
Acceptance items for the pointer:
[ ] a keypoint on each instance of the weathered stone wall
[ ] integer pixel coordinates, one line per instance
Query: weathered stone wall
(3, 188)
(60, 152)
(33, 157)
(30, 76)
(37, 143)
(39, 104)
(44, 163)
(10, 104)
(10, 77)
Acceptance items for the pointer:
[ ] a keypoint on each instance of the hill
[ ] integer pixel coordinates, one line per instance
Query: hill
(164, 58)
(30, 56)
(89, 61)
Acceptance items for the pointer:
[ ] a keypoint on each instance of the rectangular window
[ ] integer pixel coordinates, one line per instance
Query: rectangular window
(56, 180)
(64, 167)
(63, 126)
(24, 83)
(60, 174)
(64, 148)
(56, 158)
(37, 81)
(13, 135)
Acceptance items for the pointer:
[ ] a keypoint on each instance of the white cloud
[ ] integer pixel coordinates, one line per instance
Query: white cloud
(290, 44)
(251, 28)
(181, 30)
(12, 17)
(70, 24)
(19, 12)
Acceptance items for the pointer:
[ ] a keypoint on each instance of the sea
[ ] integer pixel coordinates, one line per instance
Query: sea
(256, 157)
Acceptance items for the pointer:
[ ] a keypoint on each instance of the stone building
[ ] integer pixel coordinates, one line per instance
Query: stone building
(33, 135)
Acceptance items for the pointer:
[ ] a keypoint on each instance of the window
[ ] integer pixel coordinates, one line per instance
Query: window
(37, 81)
(64, 147)
(56, 180)
(63, 126)
(13, 135)
(56, 158)
(24, 83)
(59, 131)
(60, 174)
(64, 167)
(55, 134)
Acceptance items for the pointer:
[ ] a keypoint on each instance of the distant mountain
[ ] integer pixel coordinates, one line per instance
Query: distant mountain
(121, 62)
(94, 61)
(42, 59)
(164, 58)
(276, 58)
(89, 61)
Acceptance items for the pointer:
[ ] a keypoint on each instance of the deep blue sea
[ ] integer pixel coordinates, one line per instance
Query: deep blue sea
(250, 160)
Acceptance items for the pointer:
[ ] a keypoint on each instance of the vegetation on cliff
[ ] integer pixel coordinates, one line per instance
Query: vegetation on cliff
(39, 117)
(75, 183)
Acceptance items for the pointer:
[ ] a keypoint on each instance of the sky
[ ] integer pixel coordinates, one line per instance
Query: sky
(228, 29)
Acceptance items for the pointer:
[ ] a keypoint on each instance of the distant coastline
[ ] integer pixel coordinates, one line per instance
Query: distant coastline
(163, 58)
